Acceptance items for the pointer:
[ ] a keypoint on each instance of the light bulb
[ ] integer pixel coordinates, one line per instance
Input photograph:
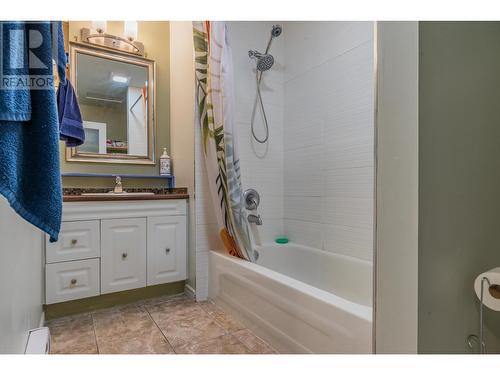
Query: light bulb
(130, 30)
(99, 26)
(119, 78)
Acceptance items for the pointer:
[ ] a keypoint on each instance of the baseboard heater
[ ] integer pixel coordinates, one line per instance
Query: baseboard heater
(38, 341)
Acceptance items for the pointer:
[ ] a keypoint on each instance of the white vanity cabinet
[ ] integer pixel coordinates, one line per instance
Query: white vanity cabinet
(111, 246)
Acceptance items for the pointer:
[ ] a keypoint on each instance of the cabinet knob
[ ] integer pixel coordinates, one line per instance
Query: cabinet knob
(167, 250)
(124, 255)
(74, 241)
(73, 283)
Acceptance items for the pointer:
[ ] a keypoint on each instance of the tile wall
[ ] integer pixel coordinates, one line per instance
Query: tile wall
(328, 136)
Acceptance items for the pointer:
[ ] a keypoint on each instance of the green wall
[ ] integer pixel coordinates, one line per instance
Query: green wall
(459, 174)
(156, 38)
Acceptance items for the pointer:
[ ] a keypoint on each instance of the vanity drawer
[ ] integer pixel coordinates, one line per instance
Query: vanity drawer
(77, 240)
(72, 280)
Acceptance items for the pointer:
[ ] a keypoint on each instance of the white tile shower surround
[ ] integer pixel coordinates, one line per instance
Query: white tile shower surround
(329, 136)
(315, 176)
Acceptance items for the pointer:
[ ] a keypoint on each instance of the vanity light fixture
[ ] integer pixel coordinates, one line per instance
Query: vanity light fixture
(128, 43)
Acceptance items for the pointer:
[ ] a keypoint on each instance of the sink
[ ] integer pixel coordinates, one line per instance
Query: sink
(113, 194)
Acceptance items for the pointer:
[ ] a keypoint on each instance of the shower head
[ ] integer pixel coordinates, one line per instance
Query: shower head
(276, 31)
(264, 60)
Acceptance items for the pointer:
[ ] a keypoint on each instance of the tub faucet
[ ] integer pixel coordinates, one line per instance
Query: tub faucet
(256, 219)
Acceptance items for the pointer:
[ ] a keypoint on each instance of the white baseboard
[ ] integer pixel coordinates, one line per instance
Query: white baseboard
(189, 291)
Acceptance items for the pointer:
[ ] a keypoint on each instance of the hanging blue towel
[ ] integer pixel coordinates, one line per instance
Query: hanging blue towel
(30, 178)
(70, 119)
(59, 55)
(15, 103)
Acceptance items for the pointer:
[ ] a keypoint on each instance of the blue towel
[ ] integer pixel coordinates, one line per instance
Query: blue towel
(15, 104)
(59, 55)
(70, 119)
(30, 178)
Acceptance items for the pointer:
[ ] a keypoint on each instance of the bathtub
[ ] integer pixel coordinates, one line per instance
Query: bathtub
(299, 299)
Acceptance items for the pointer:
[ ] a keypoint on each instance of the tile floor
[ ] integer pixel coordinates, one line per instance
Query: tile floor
(165, 325)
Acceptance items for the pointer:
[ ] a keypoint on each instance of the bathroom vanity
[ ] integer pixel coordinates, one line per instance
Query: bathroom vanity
(112, 244)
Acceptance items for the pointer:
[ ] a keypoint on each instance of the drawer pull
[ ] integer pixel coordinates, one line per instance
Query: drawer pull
(73, 283)
(124, 255)
(167, 250)
(74, 241)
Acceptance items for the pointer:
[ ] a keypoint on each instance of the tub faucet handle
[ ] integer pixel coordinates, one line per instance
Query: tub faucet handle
(251, 198)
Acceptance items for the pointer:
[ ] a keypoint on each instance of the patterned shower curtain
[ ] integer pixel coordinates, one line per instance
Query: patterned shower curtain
(215, 114)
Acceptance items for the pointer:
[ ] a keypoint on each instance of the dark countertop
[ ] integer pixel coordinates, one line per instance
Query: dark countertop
(75, 194)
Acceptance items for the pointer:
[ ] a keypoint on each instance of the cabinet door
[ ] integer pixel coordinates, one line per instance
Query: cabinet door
(123, 254)
(166, 249)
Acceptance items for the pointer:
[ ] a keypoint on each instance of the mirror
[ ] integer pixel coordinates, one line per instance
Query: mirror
(116, 95)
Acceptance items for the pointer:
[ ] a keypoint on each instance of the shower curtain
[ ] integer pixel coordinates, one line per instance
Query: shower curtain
(215, 116)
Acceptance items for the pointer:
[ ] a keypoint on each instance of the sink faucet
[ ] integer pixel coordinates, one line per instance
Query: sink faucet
(256, 219)
(118, 185)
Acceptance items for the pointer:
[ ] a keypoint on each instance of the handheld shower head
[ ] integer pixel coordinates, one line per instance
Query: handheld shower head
(265, 61)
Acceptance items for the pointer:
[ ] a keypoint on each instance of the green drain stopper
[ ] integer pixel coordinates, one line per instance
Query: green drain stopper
(282, 240)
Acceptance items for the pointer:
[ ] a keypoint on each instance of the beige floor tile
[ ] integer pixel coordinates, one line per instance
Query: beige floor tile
(227, 322)
(255, 344)
(121, 320)
(180, 310)
(128, 330)
(151, 341)
(226, 344)
(72, 335)
(192, 329)
(208, 306)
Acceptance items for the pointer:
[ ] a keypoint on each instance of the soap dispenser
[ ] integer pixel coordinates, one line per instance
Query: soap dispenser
(165, 164)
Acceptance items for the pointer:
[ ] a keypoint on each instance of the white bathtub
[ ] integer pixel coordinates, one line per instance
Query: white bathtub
(299, 299)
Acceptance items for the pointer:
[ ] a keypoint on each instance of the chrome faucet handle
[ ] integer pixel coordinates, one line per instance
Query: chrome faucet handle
(251, 198)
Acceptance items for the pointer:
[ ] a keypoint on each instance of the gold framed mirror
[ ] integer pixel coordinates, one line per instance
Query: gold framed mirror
(116, 92)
